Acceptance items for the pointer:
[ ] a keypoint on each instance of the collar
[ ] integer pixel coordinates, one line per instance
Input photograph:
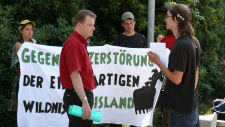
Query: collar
(81, 38)
(129, 34)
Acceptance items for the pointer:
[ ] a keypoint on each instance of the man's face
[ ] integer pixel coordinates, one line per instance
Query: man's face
(87, 27)
(170, 22)
(128, 25)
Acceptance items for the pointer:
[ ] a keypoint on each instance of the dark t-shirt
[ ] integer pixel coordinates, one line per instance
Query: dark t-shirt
(136, 41)
(180, 97)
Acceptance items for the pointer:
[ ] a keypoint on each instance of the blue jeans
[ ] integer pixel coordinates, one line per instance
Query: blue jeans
(178, 119)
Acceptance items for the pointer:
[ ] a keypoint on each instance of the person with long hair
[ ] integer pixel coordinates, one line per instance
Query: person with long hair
(26, 31)
(180, 94)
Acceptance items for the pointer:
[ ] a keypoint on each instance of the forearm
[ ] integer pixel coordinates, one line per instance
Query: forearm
(77, 84)
(196, 78)
(174, 76)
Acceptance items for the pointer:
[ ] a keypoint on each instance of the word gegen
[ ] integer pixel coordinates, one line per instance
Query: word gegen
(39, 57)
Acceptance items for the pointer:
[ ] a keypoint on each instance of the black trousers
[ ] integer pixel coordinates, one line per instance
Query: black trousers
(71, 98)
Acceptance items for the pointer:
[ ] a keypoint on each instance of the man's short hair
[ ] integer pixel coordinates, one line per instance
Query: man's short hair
(81, 15)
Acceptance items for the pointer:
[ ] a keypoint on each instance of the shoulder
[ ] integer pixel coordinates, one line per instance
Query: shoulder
(185, 44)
(169, 38)
(196, 41)
(118, 39)
(139, 34)
(73, 44)
(34, 41)
(17, 45)
(185, 41)
(120, 36)
(181, 44)
(172, 37)
(198, 48)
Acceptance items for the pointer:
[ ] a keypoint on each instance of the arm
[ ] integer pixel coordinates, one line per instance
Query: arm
(145, 45)
(196, 78)
(17, 46)
(78, 87)
(174, 76)
(115, 43)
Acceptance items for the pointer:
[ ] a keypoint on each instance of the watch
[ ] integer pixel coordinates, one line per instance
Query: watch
(84, 99)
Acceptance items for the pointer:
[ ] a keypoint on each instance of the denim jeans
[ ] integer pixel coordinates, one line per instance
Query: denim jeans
(178, 119)
(71, 98)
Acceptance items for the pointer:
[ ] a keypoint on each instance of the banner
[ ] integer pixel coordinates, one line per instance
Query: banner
(128, 85)
(40, 92)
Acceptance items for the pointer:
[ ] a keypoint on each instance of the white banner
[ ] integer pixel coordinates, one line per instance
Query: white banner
(127, 91)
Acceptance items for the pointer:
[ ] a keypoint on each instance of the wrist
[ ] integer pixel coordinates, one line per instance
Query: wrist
(84, 99)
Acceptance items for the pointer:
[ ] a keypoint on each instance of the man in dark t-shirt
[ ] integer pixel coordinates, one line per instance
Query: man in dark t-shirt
(130, 38)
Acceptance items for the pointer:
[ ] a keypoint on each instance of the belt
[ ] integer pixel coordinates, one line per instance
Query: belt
(72, 90)
(88, 90)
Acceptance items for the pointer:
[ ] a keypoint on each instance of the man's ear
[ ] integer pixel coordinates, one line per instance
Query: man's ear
(79, 25)
(122, 24)
(175, 20)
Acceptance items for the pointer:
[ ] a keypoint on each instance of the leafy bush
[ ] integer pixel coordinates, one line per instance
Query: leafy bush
(209, 26)
(6, 33)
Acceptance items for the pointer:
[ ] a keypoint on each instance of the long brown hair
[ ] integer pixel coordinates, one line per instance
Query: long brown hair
(184, 26)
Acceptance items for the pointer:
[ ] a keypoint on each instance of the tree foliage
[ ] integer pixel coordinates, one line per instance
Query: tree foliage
(54, 25)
